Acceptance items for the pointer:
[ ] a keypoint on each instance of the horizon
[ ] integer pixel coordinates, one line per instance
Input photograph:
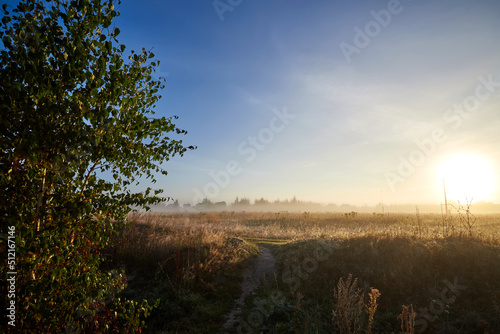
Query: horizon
(296, 205)
(294, 199)
(328, 101)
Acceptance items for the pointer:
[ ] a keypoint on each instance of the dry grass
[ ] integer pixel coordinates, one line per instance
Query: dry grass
(153, 242)
(371, 307)
(192, 268)
(349, 305)
(407, 318)
(299, 226)
(407, 257)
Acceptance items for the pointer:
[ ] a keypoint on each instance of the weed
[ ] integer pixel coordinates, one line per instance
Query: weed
(467, 219)
(407, 318)
(349, 305)
(419, 222)
(371, 307)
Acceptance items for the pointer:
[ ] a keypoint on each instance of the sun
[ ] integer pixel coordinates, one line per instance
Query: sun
(467, 178)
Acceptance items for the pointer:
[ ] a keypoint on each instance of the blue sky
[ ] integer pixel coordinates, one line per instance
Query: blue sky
(329, 101)
(353, 102)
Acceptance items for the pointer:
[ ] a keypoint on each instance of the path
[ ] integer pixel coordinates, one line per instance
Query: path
(264, 265)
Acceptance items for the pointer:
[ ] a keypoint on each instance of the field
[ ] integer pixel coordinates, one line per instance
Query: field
(321, 272)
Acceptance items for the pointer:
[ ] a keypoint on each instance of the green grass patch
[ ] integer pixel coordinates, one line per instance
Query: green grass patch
(268, 241)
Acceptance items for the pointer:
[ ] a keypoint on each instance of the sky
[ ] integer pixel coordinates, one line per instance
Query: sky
(329, 101)
(355, 102)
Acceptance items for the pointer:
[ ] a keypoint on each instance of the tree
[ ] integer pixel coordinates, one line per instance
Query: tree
(72, 107)
(205, 204)
(244, 201)
(261, 201)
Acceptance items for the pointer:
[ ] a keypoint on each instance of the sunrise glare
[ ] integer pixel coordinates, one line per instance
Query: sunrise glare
(467, 178)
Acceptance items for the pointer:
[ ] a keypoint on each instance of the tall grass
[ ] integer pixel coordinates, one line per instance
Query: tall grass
(299, 226)
(192, 262)
(407, 318)
(453, 282)
(190, 268)
(349, 305)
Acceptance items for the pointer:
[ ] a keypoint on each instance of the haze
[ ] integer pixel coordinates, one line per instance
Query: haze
(327, 101)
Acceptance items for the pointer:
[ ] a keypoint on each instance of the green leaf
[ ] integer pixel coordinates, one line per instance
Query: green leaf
(72, 109)
(6, 41)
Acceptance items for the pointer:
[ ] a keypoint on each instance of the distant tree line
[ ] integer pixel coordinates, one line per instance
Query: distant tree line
(244, 203)
(294, 204)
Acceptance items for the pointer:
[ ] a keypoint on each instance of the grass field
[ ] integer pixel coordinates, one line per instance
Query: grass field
(335, 273)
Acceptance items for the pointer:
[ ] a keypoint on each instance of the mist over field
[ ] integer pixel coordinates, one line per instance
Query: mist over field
(294, 205)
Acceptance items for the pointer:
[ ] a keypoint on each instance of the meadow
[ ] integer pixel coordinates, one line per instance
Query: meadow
(334, 272)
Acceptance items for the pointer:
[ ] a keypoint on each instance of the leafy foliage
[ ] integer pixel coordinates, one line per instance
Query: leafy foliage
(73, 106)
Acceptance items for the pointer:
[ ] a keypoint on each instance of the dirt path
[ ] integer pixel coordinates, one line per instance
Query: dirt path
(264, 265)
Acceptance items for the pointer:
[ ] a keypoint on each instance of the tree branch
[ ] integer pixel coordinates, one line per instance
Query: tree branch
(40, 201)
(87, 177)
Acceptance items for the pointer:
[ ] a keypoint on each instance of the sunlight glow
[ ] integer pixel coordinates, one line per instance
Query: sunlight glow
(467, 178)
